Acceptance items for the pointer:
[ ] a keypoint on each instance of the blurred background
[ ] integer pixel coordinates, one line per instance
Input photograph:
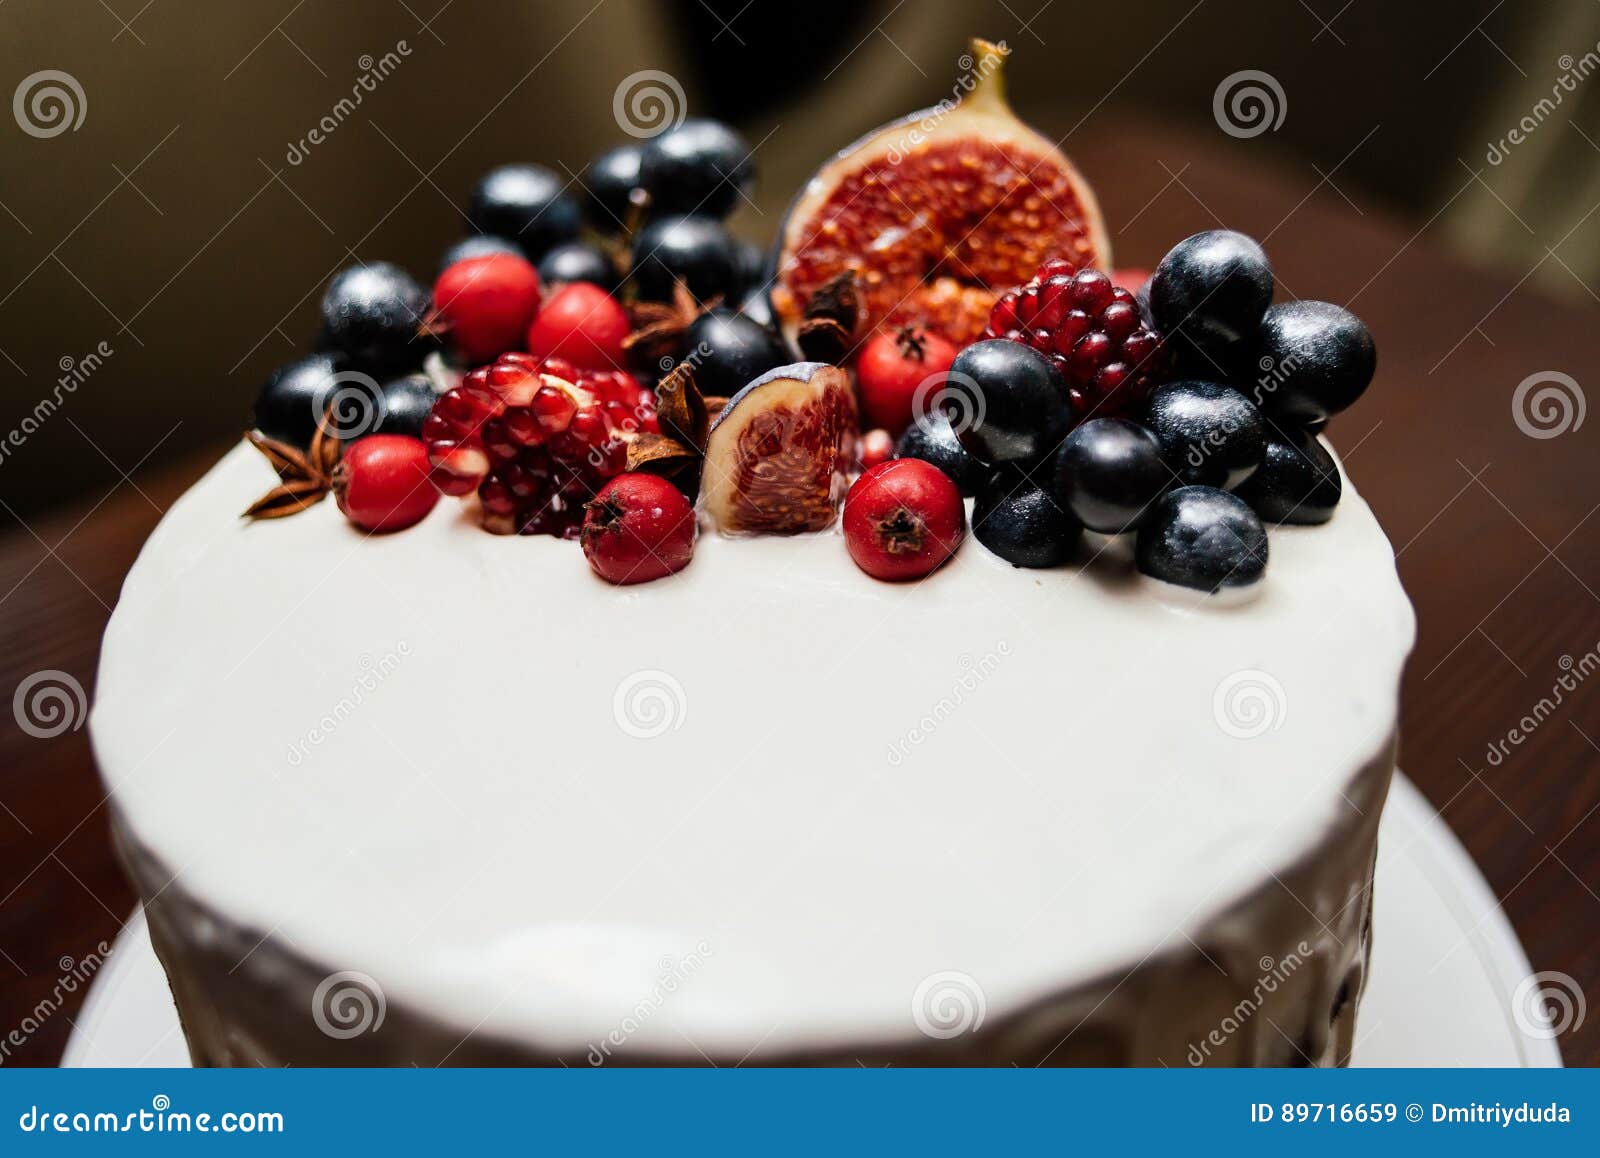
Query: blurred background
(166, 252)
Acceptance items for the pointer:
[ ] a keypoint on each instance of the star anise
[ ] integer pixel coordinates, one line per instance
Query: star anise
(658, 326)
(832, 318)
(304, 476)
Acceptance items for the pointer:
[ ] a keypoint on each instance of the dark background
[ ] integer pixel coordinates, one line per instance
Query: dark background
(171, 226)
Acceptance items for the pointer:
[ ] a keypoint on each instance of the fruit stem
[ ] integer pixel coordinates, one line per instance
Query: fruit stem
(989, 88)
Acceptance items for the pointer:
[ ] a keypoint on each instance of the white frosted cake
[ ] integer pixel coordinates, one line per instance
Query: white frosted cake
(761, 810)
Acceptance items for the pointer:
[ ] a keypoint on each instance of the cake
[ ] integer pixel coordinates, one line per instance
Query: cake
(806, 772)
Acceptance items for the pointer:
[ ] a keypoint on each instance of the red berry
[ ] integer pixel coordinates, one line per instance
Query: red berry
(381, 482)
(902, 519)
(893, 366)
(1091, 328)
(486, 303)
(874, 447)
(583, 324)
(639, 527)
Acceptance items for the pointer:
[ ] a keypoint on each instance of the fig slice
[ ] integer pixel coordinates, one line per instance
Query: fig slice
(778, 452)
(938, 214)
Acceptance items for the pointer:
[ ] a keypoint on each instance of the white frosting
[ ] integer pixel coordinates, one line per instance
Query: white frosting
(426, 756)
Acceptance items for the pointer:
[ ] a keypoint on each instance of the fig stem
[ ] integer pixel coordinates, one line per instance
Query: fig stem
(990, 89)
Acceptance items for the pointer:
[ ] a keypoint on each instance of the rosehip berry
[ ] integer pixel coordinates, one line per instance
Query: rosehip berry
(485, 304)
(583, 324)
(381, 482)
(891, 369)
(639, 527)
(902, 519)
(875, 447)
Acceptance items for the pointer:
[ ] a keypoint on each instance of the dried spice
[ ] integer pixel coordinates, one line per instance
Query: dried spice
(832, 320)
(305, 476)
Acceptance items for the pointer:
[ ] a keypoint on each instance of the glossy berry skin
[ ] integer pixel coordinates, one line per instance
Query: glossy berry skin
(1298, 481)
(757, 306)
(381, 482)
(287, 408)
(608, 182)
(1210, 292)
(726, 350)
(903, 519)
(695, 249)
(892, 367)
(1315, 359)
(478, 245)
(638, 528)
(484, 305)
(373, 313)
(1109, 473)
(583, 324)
(577, 261)
(874, 447)
(1202, 538)
(1092, 329)
(1006, 401)
(752, 265)
(933, 440)
(407, 402)
(1210, 434)
(1022, 522)
(526, 204)
(699, 167)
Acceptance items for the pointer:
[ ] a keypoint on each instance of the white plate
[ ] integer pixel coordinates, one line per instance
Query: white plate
(1445, 963)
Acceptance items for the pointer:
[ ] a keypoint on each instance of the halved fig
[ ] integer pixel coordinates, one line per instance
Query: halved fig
(938, 213)
(778, 452)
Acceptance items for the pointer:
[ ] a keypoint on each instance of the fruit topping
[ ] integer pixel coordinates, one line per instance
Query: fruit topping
(304, 476)
(1006, 401)
(938, 213)
(1108, 474)
(1298, 481)
(295, 397)
(902, 519)
(536, 439)
(727, 350)
(874, 447)
(932, 439)
(700, 166)
(577, 261)
(1210, 434)
(758, 308)
(374, 313)
(639, 527)
(609, 182)
(525, 204)
(478, 245)
(381, 482)
(1208, 295)
(1203, 538)
(1022, 522)
(695, 250)
(1316, 359)
(582, 324)
(896, 366)
(1091, 329)
(406, 404)
(777, 454)
(483, 305)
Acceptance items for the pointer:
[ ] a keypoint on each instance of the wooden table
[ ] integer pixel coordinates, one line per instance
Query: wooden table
(1494, 530)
